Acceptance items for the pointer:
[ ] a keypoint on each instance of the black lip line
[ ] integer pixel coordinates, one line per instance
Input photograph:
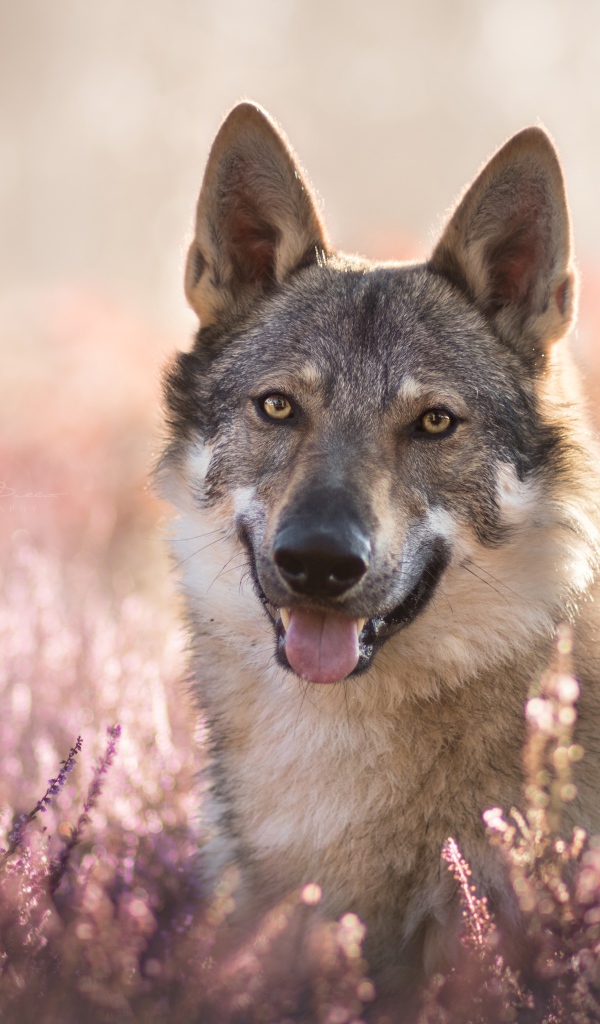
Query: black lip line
(377, 629)
(380, 628)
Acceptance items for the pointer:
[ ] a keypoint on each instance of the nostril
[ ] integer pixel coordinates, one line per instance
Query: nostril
(291, 564)
(347, 570)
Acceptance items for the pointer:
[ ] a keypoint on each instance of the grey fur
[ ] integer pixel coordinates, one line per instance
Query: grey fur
(357, 786)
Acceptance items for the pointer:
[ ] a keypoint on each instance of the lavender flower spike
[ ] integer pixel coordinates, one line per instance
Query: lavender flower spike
(59, 867)
(15, 836)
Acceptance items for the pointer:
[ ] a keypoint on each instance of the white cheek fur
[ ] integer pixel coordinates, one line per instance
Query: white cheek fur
(517, 499)
(244, 500)
(198, 461)
(441, 523)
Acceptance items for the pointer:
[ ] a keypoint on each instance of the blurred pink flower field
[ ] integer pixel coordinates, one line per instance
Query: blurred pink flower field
(90, 640)
(102, 917)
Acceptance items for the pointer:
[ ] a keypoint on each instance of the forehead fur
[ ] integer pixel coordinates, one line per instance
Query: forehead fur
(369, 323)
(379, 331)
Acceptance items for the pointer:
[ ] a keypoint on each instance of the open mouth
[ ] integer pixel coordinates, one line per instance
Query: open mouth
(323, 646)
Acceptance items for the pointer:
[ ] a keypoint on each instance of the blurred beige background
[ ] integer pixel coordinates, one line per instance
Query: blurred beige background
(107, 111)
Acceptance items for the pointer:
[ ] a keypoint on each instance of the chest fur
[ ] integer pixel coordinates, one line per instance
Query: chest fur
(362, 803)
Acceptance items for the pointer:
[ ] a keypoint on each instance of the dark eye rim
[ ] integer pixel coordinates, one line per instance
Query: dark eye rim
(259, 406)
(422, 434)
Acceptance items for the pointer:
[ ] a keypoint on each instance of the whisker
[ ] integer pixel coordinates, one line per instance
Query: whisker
(225, 569)
(200, 536)
(355, 682)
(182, 561)
(244, 578)
(305, 696)
(495, 578)
(503, 596)
(243, 565)
(445, 596)
(235, 554)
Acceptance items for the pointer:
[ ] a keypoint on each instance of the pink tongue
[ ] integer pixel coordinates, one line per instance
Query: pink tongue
(321, 646)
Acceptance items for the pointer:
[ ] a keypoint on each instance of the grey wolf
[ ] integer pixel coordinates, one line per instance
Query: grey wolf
(386, 496)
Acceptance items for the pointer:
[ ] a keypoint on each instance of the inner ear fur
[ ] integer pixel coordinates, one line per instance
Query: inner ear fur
(508, 245)
(256, 219)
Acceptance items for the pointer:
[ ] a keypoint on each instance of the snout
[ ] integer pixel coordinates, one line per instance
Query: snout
(322, 560)
(331, 595)
(322, 547)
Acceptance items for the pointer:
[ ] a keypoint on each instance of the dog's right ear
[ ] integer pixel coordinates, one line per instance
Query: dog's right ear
(256, 219)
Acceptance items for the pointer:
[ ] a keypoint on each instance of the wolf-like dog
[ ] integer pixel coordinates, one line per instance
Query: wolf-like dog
(386, 495)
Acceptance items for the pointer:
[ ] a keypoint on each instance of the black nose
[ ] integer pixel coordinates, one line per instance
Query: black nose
(321, 561)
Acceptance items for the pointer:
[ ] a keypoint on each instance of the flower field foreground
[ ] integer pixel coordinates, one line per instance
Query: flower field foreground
(556, 879)
(101, 916)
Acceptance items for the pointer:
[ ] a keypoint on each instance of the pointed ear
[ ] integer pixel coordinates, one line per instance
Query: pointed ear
(508, 245)
(256, 219)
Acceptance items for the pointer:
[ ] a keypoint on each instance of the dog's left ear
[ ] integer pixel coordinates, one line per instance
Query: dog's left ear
(508, 245)
(256, 219)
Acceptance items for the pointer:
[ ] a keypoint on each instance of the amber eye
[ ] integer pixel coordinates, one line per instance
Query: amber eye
(435, 421)
(277, 407)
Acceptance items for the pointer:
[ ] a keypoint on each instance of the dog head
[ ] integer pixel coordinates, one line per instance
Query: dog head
(366, 427)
